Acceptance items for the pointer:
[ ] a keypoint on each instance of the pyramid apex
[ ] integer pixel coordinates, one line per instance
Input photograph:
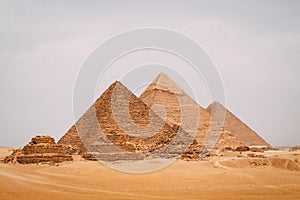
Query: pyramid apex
(161, 77)
(164, 82)
(117, 83)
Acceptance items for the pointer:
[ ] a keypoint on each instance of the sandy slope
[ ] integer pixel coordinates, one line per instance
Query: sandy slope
(189, 180)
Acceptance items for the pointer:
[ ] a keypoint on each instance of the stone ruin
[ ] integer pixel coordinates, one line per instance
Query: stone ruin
(41, 149)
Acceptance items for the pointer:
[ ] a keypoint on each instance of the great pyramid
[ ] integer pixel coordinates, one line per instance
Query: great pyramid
(120, 126)
(164, 91)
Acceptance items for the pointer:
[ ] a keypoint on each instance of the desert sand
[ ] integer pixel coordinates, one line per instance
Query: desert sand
(223, 176)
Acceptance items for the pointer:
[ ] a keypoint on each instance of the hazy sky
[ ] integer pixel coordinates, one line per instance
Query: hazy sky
(255, 46)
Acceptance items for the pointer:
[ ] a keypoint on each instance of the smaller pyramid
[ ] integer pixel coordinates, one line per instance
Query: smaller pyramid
(41, 149)
(236, 131)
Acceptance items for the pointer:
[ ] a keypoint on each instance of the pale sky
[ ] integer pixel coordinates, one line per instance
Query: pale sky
(255, 45)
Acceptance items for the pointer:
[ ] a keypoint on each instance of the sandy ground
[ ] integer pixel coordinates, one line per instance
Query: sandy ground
(226, 177)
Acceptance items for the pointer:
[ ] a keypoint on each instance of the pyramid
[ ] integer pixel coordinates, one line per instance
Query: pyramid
(41, 149)
(165, 92)
(211, 133)
(118, 126)
(238, 131)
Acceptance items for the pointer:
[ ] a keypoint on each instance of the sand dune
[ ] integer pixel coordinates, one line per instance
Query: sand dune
(218, 177)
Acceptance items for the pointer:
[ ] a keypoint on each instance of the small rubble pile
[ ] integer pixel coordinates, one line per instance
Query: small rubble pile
(193, 152)
(295, 148)
(41, 149)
